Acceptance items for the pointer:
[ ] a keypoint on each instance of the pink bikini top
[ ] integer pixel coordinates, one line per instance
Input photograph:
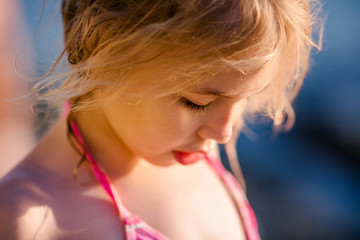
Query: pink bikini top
(137, 229)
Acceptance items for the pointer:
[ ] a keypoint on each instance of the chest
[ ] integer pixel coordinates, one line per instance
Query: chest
(197, 207)
(185, 209)
(193, 223)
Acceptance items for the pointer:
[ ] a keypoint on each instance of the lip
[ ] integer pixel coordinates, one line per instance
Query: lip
(186, 158)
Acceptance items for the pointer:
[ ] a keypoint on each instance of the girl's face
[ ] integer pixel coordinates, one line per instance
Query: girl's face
(165, 130)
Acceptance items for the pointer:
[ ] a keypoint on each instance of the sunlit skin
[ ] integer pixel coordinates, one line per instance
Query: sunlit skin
(134, 141)
(194, 120)
(154, 87)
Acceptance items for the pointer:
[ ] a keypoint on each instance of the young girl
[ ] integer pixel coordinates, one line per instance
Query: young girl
(153, 87)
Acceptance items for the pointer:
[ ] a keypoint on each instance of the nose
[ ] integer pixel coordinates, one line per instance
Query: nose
(219, 124)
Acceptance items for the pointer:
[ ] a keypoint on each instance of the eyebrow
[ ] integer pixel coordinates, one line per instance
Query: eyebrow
(213, 92)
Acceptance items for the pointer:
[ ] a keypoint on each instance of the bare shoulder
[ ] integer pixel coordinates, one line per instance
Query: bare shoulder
(40, 200)
(18, 194)
(37, 204)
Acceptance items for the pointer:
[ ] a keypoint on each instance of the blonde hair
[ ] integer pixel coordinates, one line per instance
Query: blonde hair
(119, 43)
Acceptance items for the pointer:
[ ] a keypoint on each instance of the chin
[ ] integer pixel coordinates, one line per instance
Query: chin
(164, 161)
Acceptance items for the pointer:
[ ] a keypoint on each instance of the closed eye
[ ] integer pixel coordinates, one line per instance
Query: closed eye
(193, 106)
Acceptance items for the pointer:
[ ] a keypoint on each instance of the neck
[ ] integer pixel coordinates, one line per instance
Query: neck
(104, 145)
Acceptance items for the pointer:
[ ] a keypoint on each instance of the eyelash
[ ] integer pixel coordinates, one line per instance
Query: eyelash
(193, 106)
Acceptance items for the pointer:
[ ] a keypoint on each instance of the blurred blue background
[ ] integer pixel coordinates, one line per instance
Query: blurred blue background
(303, 184)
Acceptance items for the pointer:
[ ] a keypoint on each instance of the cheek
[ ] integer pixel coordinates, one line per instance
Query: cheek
(150, 128)
(155, 127)
(172, 125)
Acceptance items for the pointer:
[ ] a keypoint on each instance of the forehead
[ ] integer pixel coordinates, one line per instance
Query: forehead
(233, 83)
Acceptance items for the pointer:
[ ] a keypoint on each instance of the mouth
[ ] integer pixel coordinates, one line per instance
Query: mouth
(186, 158)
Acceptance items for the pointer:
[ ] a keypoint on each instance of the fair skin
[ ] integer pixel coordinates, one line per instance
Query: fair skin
(134, 142)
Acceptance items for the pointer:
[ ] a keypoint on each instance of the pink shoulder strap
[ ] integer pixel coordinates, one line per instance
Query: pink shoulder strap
(135, 228)
(244, 209)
